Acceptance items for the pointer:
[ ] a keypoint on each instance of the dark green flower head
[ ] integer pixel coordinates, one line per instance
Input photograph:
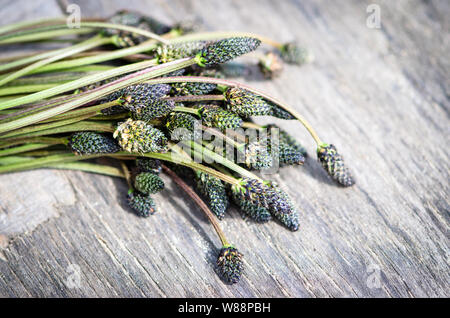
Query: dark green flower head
(215, 116)
(148, 165)
(172, 52)
(87, 143)
(256, 212)
(281, 206)
(251, 190)
(289, 155)
(230, 265)
(156, 108)
(142, 205)
(139, 96)
(333, 163)
(245, 103)
(148, 183)
(138, 136)
(293, 54)
(182, 126)
(226, 49)
(188, 88)
(214, 191)
(270, 65)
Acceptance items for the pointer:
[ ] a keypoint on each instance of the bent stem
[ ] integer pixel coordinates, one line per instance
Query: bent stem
(194, 196)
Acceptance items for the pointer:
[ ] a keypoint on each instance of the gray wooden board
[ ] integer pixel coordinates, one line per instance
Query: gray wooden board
(380, 95)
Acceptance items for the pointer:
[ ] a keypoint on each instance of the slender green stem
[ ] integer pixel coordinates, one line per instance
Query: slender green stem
(51, 78)
(13, 90)
(43, 127)
(80, 47)
(116, 54)
(187, 110)
(88, 167)
(24, 148)
(38, 36)
(86, 80)
(91, 110)
(102, 91)
(26, 24)
(194, 196)
(34, 140)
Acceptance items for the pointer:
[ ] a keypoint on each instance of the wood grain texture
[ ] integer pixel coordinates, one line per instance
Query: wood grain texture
(380, 95)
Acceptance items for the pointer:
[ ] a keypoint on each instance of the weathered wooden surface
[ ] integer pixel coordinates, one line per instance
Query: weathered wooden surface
(380, 95)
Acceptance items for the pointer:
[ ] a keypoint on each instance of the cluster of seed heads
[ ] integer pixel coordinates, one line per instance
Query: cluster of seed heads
(88, 143)
(230, 264)
(140, 137)
(333, 163)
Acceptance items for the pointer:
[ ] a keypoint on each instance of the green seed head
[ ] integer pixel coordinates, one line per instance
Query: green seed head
(183, 125)
(281, 206)
(229, 264)
(284, 137)
(333, 163)
(214, 116)
(214, 191)
(87, 143)
(293, 54)
(187, 88)
(148, 183)
(226, 49)
(256, 212)
(245, 103)
(142, 205)
(148, 165)
(289, 155)
(172, 52)
(279, 112)
(156, 108)
(138, 136)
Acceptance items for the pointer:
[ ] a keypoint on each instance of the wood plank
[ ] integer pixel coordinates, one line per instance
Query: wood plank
(380, 95)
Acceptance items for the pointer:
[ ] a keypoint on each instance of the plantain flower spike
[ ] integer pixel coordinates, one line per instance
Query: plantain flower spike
(333, 163)
(148, 183)
(230, 264)
(256, 212)
(149, 165)
(225, 50)
(172, 52)
(188, 88)
(138, 136)
(245, 103)
(215, 116)
(142, 205)
(87, 143)
(214, 191)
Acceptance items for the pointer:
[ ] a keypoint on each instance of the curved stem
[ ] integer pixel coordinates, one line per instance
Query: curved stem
(228, 83)
(38, 36)
(194, 196)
